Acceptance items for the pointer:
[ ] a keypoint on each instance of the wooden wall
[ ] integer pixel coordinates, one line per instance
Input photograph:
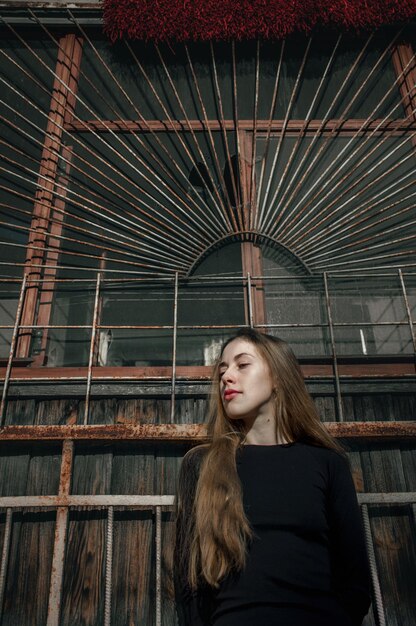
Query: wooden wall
(32, 468)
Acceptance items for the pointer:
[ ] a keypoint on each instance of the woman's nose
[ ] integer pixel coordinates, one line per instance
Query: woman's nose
(229, 375)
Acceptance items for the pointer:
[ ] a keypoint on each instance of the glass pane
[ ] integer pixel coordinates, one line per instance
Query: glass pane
(9, 298)
(207, 303)
(375, 307)
(136, 304)
(72, 306)
(293, 302)
(354, 78)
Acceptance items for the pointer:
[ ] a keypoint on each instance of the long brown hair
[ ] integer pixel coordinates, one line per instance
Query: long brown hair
(220, 531)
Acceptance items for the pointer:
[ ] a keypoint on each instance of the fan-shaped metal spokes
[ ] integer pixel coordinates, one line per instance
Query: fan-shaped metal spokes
(163, 152)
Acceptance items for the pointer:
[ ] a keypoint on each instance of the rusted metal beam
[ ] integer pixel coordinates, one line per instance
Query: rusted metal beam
(189, 433)
(61, 526)
(60, 110)
(347, 371)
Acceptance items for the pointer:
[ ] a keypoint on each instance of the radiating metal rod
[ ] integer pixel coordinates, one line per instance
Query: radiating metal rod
(327, 180)
(335, 200)
(268, 132)
(225, 141)
(334, 130)
(124, 220)
(104, 160)
(253, 207)
(217, 200)
(265, 210)
(126, 95)
(141, 117)
(368, 241)
(191, 216)
(373, 258)
(302, 133)
(101, 248)
(230, 216)
(186, 236)
(72, 228)
(239, 155)
(362, 214)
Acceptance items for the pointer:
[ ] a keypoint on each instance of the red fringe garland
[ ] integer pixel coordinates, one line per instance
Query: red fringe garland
(202, 20)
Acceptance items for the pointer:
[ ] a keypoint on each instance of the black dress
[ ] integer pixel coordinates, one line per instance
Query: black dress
(307, 564)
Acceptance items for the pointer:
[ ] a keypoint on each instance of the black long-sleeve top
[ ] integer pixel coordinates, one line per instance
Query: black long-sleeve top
(308, 546)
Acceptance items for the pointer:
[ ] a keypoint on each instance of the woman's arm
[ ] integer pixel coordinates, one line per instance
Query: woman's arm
(351, 580)
(192, 606)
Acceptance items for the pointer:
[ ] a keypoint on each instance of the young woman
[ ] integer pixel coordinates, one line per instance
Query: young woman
(269, 530)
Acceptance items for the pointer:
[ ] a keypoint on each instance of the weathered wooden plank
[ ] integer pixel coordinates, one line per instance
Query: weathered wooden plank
(83, 588)
(134, 555)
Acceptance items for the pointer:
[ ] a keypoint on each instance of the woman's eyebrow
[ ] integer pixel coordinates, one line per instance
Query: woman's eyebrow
(237, 356)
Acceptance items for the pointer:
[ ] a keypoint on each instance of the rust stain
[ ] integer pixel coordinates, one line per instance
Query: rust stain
(189, 432)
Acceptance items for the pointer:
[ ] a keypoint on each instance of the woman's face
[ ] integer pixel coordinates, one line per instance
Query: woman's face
(246, 386)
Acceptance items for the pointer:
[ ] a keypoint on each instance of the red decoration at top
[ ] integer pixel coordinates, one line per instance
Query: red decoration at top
(202, 20)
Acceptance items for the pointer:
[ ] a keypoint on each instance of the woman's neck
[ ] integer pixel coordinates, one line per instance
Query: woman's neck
(262, 431)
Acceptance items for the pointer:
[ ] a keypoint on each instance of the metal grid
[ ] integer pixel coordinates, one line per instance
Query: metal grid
(247, 283)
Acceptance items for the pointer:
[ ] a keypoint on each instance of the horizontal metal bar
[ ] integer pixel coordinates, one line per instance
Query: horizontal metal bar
(18, 502)
(214, 280)
(377, 127)
(405, 497)
(189, 433)
(152, 501)
(199, 326)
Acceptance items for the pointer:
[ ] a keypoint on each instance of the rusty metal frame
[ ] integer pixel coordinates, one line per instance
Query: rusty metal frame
(61, 111)
(191, 433)
(61, 527)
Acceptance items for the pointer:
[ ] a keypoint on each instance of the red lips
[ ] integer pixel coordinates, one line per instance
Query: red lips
(230, 393)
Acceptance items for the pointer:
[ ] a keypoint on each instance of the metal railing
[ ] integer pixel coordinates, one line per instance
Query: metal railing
(249, 285)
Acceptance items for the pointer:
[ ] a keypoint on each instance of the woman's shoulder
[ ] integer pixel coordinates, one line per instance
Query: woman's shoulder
(324, 453)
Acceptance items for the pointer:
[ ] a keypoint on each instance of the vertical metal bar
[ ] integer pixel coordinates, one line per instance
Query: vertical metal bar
(334, 352)
(12, 348)
(5, 557)
(175, 338)
(92, 347)
(158, 566)
(58, 559)
(253, 204)
(109, 567)
(249, 301)
(379, 605)
(408, 311)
